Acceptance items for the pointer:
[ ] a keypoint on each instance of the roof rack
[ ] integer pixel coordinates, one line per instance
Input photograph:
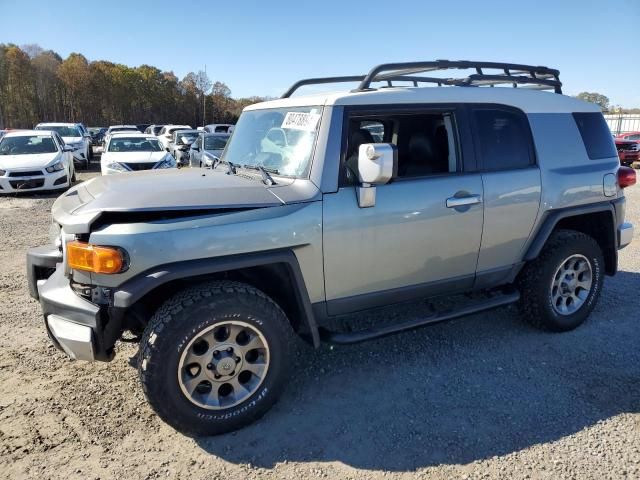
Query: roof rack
(538, 77)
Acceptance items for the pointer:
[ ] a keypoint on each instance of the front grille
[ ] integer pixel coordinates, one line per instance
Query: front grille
(32, 173)
(625, 146)
(139, 166)
(26, 184)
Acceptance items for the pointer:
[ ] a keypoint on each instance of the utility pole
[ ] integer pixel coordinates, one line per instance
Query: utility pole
(204, 100)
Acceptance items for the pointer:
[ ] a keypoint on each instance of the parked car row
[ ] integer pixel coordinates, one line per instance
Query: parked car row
(46, 158)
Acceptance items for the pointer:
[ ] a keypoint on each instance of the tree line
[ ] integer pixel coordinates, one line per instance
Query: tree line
(37, 85)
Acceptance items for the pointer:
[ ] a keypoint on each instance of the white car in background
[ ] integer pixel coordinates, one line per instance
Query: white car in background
(166, 134)
(118, 128)
(134, 152)
(74, 137)
(35, 160)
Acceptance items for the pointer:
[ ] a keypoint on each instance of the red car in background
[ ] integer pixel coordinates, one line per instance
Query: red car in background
(628, 146)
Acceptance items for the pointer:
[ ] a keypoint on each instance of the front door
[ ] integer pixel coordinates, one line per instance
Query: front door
(423, 235)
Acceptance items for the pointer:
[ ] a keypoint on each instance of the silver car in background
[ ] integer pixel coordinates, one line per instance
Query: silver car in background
(207, 149)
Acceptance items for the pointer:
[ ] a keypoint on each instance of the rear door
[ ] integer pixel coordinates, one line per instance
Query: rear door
(423, 235)
(512, 188)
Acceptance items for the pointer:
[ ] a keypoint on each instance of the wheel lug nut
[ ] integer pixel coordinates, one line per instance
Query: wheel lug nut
(229, 350)
(216, 376)
(216, 353)
(209, 366)
(237, 359)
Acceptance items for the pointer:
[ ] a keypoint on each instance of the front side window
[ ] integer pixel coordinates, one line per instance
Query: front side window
(126, 144)
(426, 142)
(27, 145)
(62, 131)
(504, 139)
(280, 139)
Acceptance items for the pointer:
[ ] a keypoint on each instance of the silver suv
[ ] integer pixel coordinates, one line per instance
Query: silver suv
(325, 205)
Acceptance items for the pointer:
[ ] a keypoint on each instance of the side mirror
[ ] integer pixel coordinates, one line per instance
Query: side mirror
(67, 148)
(377, 164)
(167, 149)
(195, 148)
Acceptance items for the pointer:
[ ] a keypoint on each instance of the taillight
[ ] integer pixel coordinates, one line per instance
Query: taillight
(626, 177)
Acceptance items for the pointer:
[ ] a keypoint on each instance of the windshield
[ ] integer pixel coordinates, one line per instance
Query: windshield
(27, 145)
(215, 143)
(280, 139)
(156, 130)
(186, 138)
(62, 131)
(126, 144)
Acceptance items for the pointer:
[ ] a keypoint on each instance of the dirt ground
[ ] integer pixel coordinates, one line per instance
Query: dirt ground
(482, 397)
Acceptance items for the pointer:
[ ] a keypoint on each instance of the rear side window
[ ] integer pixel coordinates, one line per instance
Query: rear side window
(595, 135)
(504, 139)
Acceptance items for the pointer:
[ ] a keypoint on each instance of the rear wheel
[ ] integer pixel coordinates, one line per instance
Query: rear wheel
(215, 357)
(561, 287)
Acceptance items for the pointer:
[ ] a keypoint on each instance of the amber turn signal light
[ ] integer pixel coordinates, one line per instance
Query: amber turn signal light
(91, 258)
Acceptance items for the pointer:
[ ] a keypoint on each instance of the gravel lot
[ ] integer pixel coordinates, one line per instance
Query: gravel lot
(482, 397)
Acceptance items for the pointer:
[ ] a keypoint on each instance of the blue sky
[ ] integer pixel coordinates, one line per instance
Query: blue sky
(261, 47)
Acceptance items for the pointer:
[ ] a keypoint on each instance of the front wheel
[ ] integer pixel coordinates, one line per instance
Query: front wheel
(560, 288)
(215, 357)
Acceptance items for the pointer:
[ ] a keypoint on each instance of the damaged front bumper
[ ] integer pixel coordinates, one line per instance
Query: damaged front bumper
(74, 324)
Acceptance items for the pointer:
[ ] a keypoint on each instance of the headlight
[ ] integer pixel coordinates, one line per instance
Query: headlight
(56, 167)
(636, 147)
(116, 166)
(167, 162)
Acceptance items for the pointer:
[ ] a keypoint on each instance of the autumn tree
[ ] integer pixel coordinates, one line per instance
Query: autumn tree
(595, 97)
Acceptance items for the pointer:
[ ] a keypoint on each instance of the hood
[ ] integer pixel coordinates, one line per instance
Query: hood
(159, 190)
(134, 157)
(39, 160)
(72, 139)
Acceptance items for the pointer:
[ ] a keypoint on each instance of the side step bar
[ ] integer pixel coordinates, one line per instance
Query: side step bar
(345, 338)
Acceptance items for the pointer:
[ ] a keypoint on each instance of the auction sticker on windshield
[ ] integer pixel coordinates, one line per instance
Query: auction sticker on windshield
(301, 121)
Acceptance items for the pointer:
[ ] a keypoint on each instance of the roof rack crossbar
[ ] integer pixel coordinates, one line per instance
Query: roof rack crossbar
(516, 74)
(322, 80)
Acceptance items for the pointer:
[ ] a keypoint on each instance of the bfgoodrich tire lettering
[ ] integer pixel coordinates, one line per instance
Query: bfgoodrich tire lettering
(173, 328)
(536, 281)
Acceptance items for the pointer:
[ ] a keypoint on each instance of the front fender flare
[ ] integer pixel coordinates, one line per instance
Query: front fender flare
(127, 294)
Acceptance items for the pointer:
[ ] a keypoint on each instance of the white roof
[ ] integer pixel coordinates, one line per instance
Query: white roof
(123, 126)
(56, 124)
(28, 133)
(526, 99)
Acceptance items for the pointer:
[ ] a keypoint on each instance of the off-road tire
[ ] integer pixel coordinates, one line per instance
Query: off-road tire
(534, 282)
(181, 318)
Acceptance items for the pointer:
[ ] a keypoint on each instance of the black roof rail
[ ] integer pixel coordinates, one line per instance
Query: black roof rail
(510, 73)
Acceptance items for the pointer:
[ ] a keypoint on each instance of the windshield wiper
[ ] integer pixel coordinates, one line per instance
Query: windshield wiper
(231, 166)
(266, 178)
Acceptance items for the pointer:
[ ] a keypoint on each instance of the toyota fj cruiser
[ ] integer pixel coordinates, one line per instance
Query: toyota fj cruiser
(330, 204)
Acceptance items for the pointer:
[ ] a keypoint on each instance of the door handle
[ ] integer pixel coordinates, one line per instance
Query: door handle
(453, 202)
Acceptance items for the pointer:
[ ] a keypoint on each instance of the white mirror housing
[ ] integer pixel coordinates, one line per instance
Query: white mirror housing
(377, 163)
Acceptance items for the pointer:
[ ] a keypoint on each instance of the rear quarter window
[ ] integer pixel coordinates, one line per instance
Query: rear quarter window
(595, 135)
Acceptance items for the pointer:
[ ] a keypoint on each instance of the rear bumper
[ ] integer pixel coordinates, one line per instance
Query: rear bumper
(625, 234)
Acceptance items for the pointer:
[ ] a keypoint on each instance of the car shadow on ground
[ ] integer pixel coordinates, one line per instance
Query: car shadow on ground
(452, 393)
